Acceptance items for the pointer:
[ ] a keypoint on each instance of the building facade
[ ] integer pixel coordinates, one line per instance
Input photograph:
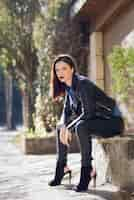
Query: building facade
(110, 23)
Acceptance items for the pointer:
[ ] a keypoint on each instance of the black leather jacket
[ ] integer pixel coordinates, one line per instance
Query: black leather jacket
(92, 102)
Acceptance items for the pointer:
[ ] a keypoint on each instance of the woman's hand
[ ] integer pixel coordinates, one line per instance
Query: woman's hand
(65, 136)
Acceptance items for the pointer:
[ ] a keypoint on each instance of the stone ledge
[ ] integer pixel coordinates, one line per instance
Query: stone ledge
(116, 138)
(45, 145)
(116, 160)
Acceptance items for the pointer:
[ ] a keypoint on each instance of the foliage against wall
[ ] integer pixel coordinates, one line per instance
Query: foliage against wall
(122, 62)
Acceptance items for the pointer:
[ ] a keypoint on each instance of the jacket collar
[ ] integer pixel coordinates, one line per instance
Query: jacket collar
(75, 81)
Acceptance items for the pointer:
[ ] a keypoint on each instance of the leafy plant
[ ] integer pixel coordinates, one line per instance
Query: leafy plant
(122, 62)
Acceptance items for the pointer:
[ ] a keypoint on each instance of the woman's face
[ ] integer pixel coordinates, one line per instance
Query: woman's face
(64, 72)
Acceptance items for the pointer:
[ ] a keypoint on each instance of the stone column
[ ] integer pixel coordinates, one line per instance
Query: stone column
(96, 66)
(96, 74)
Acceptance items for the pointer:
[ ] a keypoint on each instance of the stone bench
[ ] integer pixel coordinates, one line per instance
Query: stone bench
(114, 161)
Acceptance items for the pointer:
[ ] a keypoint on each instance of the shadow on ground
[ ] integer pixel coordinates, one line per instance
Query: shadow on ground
(104, 194)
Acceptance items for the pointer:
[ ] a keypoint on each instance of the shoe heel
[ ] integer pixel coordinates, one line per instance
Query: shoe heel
(70, 176)
(94, 180)
(69, 172)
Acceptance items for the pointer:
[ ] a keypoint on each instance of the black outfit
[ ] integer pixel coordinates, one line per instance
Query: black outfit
(88, 112)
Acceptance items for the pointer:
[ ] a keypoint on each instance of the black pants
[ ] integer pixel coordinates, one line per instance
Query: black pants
(85, 129)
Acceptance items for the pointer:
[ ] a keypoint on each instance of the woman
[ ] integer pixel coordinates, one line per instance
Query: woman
(87, 111)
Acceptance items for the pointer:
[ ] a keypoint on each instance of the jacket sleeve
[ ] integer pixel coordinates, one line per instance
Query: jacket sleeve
(63, 118)
(107, 101)
(87, 99)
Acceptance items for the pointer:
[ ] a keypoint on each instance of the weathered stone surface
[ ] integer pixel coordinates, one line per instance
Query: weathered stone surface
(117, 158)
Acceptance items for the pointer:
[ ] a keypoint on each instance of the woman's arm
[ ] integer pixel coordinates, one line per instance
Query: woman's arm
(63, 118)
(65, 135)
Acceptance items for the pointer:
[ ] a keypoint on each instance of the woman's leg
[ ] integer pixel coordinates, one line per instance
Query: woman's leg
(84, 130)
(85, 141)
(61, 160)
(86, 157)
(102, 127)
(61, 149)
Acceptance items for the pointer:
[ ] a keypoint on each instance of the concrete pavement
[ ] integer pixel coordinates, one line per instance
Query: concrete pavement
(25, 177)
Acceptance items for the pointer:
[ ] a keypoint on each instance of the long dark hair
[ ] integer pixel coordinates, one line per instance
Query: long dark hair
(56, 87)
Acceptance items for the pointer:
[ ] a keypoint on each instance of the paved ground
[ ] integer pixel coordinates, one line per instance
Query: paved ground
(25, 177)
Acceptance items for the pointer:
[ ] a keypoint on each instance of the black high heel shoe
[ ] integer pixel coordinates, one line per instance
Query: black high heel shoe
(69, 172)
(60, 173)
(85, 177)
(87, 174)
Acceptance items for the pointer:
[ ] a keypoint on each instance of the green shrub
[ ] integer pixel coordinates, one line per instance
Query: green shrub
(122, 63)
